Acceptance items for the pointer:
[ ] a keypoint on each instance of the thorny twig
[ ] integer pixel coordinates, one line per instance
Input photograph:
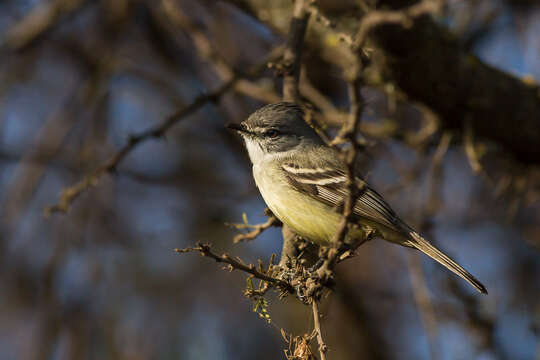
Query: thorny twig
(205, 250)
(256, 229)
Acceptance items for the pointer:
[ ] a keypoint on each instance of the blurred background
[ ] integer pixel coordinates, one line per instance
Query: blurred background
(79, 77)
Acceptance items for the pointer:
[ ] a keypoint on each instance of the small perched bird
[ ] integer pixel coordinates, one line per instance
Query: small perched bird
(303, 181)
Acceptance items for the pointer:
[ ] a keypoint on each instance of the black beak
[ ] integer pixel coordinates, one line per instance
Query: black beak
(237, 127)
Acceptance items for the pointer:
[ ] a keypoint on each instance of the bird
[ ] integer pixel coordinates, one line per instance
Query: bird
(303, 181)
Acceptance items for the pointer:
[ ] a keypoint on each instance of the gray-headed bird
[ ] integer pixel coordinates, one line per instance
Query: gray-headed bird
(303, 181)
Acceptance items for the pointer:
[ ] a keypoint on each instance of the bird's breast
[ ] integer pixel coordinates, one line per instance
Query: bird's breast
(305, 215)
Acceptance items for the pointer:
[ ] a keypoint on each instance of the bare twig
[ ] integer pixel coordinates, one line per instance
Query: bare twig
(375, 18)
(70, 194)
(257, 229)
(317, 324)
(403, 17)
(293, 50)
(347, 134)
(205, 250)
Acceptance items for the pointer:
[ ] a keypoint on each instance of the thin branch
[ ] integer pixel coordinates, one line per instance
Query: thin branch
(70, 194)
(205, 250)
(403, 17)
(293, 50)
(257, 229)
(347, 134)
(375, 18)
(317, 324)
(290, 67)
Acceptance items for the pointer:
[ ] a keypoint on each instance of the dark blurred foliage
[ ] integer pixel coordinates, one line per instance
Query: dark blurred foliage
(77, 78)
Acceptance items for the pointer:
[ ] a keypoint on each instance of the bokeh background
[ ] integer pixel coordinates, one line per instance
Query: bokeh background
(77, 78)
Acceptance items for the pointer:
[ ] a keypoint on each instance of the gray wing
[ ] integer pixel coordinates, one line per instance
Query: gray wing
(328, 185)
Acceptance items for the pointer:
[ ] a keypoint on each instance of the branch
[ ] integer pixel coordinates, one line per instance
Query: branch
(257, 229)
(317, 324)
(403, 17)
(290, 67)
(293, 50)
(347, 134)
(204, 250)
(70, 194)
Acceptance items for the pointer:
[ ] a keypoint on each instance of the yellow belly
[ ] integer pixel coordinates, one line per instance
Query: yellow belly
(307, 217)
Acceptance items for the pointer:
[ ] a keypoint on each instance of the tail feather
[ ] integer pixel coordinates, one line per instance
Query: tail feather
(427, 248)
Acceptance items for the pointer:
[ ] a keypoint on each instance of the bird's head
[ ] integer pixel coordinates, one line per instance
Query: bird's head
(275, 129)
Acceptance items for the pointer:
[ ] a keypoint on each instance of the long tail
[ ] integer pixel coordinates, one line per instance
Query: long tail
(424, 246)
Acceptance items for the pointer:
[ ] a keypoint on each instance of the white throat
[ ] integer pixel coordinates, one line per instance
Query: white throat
(258, 155)
(255, 151)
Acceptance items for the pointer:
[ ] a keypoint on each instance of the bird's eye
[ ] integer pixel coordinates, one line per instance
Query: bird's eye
(272, 133)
